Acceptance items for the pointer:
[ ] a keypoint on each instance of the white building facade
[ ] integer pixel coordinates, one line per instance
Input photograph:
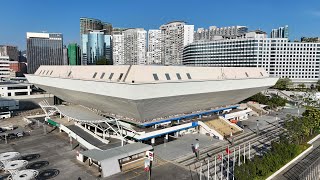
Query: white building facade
(280, 58)
(4, 67)
(154, 47)
(174, 36)
(135, 46)
(14, 89)
(118, 48)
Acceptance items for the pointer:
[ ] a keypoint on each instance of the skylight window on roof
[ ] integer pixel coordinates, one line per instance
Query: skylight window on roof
(69, 73)
(51, 72)
(120, 77)
(247, 74)
(168, 76)
(111, 75)
(47, 72)
(40, 72)
(261, 73)
(189, 76)
(102, 75)
(155, 77)
(94, 75)
(178, 76)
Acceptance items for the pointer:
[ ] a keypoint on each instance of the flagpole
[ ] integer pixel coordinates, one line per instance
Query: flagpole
(239, 156)
(215, 167)
(228, 163)
(249, 151)
(244, 153)
(234, 161)
(208, 168)
(200, 170)
(222, 166)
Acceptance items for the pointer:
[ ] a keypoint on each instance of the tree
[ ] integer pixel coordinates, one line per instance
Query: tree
(101, 61)
(283, 83)
(302, 86)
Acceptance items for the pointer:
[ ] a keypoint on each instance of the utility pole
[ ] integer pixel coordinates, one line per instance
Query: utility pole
(234, 161)
(244, 153)
(222, 166)
(228, 168)
(239, 156)
(215, 167)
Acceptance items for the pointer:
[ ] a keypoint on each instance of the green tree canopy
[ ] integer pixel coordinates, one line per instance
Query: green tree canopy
(283, 83)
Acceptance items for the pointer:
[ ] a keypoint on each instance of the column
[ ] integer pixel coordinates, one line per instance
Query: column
(153, 141)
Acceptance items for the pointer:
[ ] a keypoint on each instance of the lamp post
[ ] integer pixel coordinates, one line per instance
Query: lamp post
(257, 126)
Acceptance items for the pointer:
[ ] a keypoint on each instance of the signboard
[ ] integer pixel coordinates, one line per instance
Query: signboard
(150, 155)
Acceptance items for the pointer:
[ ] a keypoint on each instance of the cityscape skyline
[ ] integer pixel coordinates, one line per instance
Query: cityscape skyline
(301, 18)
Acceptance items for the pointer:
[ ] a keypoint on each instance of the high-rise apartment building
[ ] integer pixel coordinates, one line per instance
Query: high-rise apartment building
(44, 49)
(4, 67)
(154, 47)
(65, 56)
(281, 32)
(11, 51)
(135, 46)
(281, 58)
(209, 34)
(174, 36)
(74, 54)
(89, 24)
(94, 47)
(118, 48)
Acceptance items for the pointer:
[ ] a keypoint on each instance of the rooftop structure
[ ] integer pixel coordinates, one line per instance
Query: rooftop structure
(141, 94)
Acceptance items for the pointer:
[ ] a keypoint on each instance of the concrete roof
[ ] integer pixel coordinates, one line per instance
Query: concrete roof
(135, 74)
(118, 152)
(80, 113)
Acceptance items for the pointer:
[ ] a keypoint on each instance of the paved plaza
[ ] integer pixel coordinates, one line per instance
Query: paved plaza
(182, 146)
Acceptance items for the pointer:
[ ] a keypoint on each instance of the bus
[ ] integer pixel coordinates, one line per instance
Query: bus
(4, 115)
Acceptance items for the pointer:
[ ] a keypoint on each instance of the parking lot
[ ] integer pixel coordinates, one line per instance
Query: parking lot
(50, 154)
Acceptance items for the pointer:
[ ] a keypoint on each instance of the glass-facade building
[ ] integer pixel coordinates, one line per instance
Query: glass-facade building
(96, 45)
(74, 54)
(44, 49)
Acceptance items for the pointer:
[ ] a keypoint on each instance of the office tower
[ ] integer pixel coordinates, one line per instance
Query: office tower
(44, 49)
(118, 47)
(135, 46)
(74, 54)
(174, 36)
(295, 60)
(11, 51)
(94, 47)
(4, 67)
(310, 39)
(88, 25)
(281, 32)
(154, 47)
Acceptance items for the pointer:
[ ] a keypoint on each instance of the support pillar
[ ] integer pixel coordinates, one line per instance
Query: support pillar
(166, 138)
(153, 141)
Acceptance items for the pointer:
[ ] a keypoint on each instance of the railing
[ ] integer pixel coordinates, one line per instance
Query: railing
(312, 172)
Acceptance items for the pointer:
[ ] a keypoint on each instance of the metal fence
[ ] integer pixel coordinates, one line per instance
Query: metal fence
(312, 172)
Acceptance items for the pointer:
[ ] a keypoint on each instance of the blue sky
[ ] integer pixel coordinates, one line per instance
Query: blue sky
(21, 16)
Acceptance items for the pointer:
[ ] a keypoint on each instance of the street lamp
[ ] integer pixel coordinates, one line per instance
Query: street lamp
(257, 126)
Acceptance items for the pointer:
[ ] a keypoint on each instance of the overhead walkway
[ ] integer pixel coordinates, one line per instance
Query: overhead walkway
(93, 140)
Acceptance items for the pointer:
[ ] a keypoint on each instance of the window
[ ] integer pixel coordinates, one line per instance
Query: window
(47, 72)
(178, 76)
(102, 75)
(111, 75)
(155, 77)
(121, 74)
(40, 72)
(51, 72)
(167, 76)
(261, 73)
(188, 75)
(69, 73)
(43, 71)
(247, 74)
(94, 75)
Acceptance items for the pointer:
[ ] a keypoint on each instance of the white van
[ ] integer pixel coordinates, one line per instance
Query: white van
(4, 115)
